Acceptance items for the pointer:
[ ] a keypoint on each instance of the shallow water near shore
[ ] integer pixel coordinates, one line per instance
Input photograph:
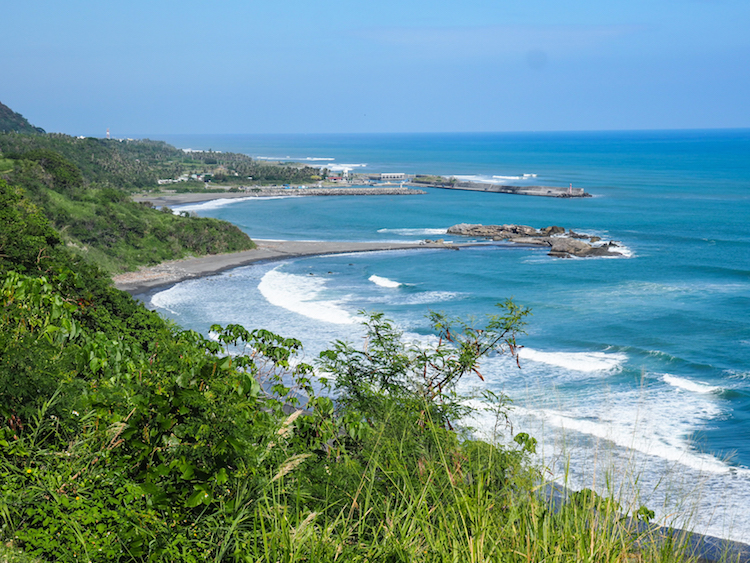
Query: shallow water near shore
(641, 361)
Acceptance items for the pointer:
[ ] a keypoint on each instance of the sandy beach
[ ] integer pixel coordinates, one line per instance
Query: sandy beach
(168, 273)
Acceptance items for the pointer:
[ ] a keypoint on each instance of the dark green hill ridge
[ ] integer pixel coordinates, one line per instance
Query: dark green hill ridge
(12, 121)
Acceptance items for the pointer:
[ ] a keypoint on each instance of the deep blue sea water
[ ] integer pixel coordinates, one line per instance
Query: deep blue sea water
(634, 368)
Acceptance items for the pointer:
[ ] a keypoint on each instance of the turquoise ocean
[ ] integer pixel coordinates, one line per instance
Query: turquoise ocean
(635, 371)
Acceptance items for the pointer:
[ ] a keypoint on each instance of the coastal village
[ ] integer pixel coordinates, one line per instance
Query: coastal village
(390, 183)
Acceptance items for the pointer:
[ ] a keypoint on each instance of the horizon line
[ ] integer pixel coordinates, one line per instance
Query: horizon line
(358, 133)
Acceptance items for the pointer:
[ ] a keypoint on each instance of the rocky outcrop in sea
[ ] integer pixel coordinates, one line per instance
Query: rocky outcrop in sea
(561, 244)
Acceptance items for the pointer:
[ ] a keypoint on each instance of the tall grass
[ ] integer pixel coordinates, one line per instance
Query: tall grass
(463, 503)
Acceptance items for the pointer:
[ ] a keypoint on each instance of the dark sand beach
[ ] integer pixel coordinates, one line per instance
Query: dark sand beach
(174, 271)
(168, 273)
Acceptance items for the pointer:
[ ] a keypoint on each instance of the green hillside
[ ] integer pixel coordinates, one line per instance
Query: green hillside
(136, 165)
(98, 221)
(12, 121)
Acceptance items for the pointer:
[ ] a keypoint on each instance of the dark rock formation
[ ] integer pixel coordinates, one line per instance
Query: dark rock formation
(561, 245)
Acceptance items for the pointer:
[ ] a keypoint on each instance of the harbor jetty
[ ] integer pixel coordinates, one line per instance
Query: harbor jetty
(454, 184)
(354, 190)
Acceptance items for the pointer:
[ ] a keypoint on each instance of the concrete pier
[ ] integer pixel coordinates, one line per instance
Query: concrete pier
(540, 191)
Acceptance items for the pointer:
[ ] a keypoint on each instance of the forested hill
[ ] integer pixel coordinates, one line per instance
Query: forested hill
(137, 164)
(82, 186)
(102, 224)
(12, 121)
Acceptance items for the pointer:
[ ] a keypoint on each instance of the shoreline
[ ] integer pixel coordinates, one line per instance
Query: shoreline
(167, 200)
(174, 271)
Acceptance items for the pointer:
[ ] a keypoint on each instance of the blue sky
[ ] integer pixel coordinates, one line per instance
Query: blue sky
(287, 66)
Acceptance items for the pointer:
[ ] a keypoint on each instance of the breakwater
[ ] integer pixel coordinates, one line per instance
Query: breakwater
(540, 191)
(375, 190)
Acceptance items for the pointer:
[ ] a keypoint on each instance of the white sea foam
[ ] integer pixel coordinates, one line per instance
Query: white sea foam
(384, 282)
(626, 251)
(692, 386)
(166, 299)
(301, 159)
(522, 177)
(302, 295)
(652, 419)
(648, 457)
(414, 232)
(344, 167)
(428, 297)
(578, 361)
(655, 436)
(206, 205)
(494, 179)
(740, 375)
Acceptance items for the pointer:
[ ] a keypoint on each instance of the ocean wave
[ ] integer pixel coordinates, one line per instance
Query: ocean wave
(167, 299)
(414, 232)
(687, 385)
(626, 251)
(427, 297)
(648, 459)
(651, 420)
(660, 354)
(295, 159)
(654, 436)
(477, 178)
(588, 362)
(206, 205)
(302, 295)
(345, 167)
(522, 177)
(741, 375)
(494, 179)
(384, 282)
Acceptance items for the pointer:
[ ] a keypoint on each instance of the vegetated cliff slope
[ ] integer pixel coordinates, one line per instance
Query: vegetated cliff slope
(82, 186)
(12, 121)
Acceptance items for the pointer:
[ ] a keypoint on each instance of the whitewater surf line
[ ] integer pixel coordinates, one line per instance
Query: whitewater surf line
(169, 273)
